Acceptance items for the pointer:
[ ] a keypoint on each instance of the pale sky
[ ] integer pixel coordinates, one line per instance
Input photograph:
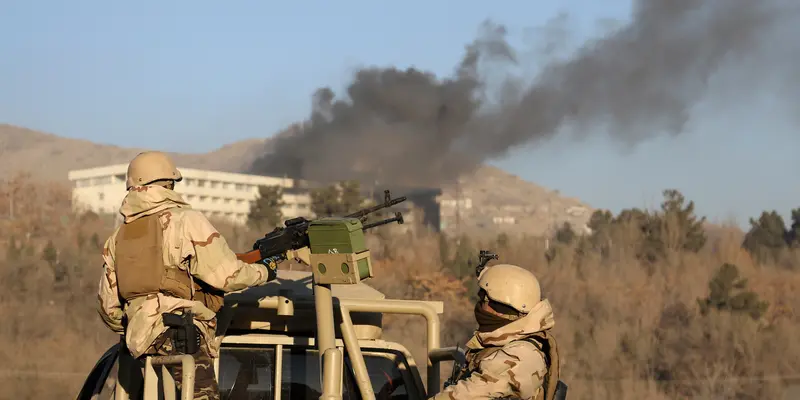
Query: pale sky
(191, 76)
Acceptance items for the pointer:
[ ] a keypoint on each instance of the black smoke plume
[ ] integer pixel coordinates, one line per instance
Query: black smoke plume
(641, 80)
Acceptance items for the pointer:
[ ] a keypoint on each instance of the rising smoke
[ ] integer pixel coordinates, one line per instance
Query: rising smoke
(641, 80)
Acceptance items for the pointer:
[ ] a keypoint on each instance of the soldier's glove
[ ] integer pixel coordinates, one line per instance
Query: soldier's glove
(272, 266)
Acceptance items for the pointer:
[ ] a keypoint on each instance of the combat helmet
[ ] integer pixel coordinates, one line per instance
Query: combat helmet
(151, 166)
(511, 286)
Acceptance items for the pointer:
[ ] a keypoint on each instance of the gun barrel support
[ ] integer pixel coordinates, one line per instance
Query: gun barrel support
(356, 357)
(408, 307)
(326, 335)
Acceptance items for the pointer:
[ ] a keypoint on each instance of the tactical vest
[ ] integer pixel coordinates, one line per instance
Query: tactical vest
(141, 271)
(543, 341)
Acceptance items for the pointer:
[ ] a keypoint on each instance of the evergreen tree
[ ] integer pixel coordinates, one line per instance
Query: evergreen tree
(565, 234)
(677, 225)
(325, 201)
(50, 254)
(767, 237)
(793, 235)
(728, 292)
(265, 210)
(337, 200)
(600, 221)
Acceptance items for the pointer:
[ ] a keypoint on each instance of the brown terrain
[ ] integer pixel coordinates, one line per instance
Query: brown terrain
(628, 328)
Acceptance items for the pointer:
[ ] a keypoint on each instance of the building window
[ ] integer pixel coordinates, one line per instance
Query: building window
(201, 183)
(214, 184)
(103, 180)
(239, 187)
(101, 196)
(202, 199)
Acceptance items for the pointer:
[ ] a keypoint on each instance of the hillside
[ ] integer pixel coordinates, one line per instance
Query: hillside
(492, 200)
(48, 156)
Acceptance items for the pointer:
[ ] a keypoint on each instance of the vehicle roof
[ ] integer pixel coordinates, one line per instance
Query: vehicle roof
(298, 284)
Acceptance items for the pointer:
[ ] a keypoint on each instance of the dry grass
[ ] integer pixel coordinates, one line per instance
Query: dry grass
(625, 332)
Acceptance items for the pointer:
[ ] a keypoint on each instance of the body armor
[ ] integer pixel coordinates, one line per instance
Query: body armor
(553, 388)
(141, 270)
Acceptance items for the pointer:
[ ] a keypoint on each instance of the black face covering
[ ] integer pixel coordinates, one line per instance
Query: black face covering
(487, 321)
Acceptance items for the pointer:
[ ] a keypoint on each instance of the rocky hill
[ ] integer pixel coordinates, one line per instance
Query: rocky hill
(493, 200)
(486, 202)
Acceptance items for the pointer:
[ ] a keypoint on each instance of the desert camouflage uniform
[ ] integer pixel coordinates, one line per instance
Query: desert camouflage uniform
(502, 364)
(191, 244)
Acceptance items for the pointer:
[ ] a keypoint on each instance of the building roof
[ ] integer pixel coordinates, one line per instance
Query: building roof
(188, 173)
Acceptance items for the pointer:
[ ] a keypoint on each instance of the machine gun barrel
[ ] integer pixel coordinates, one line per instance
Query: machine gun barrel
(387, 202)
(397, 217)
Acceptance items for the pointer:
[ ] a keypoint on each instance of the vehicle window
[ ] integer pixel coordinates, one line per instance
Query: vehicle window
(301, 375)
(385, 375)
(246, 373)
(249, 373)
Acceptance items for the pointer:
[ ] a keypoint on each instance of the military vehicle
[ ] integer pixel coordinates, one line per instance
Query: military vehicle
(305, 335)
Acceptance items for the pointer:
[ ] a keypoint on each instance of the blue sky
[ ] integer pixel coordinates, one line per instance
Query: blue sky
(194, 75)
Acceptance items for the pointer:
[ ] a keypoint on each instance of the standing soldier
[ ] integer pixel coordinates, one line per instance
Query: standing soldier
(512, 355)
(165, 273)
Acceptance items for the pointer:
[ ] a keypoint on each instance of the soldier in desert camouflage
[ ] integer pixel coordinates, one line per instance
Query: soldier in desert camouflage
(168, 258)
(512, 354)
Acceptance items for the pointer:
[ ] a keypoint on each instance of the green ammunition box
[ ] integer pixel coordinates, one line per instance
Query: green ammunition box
(339, 236)
(336, 235)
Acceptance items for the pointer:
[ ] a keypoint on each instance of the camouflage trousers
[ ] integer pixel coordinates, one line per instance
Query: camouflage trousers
(205, 382)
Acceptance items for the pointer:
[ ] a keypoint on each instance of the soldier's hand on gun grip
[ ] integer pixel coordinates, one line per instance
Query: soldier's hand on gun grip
(272, 266)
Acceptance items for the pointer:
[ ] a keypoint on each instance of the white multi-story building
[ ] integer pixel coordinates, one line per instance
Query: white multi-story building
(217, 194)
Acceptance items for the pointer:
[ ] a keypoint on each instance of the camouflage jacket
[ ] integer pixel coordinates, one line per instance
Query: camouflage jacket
(517, 368)
(190, 243)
